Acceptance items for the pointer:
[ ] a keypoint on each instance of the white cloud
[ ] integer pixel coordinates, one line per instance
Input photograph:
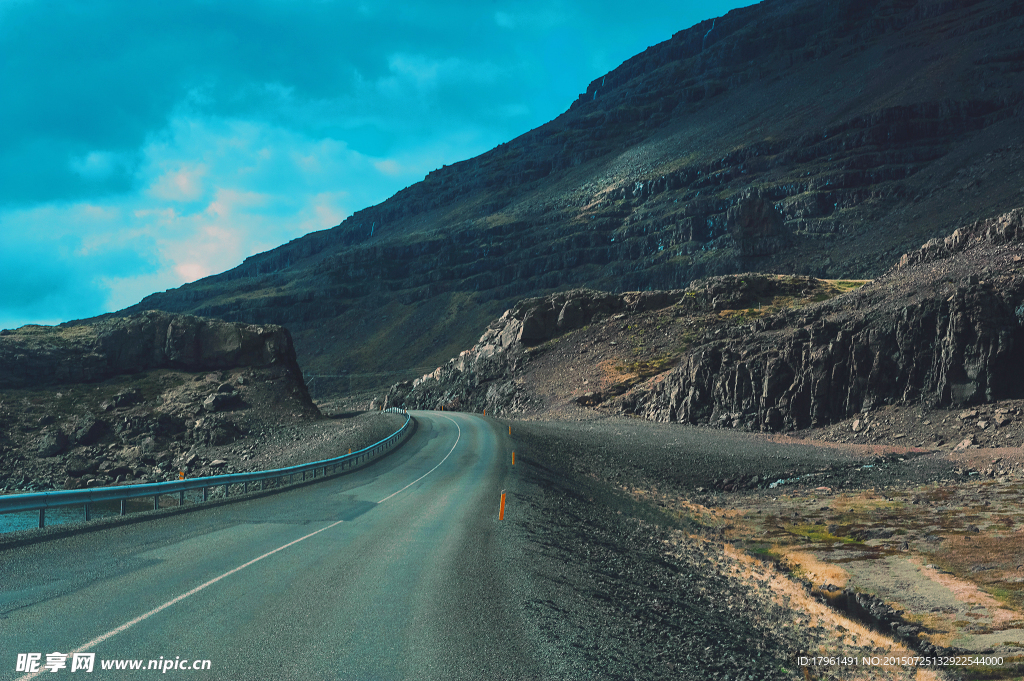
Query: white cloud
(182, 184)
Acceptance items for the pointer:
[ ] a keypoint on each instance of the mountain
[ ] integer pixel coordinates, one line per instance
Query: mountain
(794, 136)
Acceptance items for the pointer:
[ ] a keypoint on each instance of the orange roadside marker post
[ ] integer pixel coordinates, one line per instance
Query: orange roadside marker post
(501, 510)
(181, 475)
(513, 458)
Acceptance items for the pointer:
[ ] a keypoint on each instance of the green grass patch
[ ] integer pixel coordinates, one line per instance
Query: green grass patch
(647, 368)
(819, 534)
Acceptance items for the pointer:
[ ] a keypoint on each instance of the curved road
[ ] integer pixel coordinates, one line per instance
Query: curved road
(390, 572)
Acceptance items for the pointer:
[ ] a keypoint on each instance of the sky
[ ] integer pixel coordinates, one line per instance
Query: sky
(144, 145)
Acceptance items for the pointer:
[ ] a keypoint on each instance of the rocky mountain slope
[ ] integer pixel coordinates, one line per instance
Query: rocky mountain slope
(944, 327)
(793, 136)
(144, 398)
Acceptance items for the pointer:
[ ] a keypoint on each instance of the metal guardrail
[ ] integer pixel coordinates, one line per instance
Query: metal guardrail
(43, 500)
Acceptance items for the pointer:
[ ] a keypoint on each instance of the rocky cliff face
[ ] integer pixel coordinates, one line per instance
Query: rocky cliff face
(792, 136)
(141, 399)
(85, 353)
(944, 327)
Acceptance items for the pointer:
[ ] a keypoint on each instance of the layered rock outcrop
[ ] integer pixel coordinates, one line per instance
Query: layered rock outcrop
(944, 327)
(84, 353)
(485, 375)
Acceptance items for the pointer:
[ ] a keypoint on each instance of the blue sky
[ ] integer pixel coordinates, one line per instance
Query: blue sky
(144, 145)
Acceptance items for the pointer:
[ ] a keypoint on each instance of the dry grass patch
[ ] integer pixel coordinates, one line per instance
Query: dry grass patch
(847, 637)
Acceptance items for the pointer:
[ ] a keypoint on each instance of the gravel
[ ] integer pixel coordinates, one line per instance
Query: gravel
(620, 589)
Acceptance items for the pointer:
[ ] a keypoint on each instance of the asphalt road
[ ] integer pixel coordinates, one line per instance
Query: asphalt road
(391, 572)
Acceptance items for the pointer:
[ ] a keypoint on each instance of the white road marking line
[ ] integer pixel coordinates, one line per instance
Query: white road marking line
(432, 469)
(113, 632)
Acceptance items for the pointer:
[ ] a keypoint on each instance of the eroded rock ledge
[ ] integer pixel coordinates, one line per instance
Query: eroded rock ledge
(86, 353)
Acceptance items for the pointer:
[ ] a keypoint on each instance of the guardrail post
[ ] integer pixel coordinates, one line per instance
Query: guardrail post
(303, 476)
(87, 512)
(226, 490)
(206, 493)
(124, 503)
(245, 487)
(42, 517)
(156, 501)
(181, 498)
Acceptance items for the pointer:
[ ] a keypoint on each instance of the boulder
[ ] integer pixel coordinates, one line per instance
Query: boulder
(539, 325)
(571, 316)
(221, 401)
(90, 430)
(51, 443)
(77, 466)
(127, 398)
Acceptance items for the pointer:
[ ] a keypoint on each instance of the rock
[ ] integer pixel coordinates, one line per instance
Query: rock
(51, 443)
(983, 424)
(1002, 420)
(967, 414)
(589, 399)
(216, 463)
(220, 401)
(965, 443)
(148, 447)
(756, 226)
(90, 430)
(77, 466)
(118, 470)
(571, 317)
(216, 434)
(857, 425)
(126, 345)
(127, 398)
(539, 325)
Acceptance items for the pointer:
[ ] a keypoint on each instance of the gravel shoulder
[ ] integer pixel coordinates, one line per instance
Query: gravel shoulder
(645, 567)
